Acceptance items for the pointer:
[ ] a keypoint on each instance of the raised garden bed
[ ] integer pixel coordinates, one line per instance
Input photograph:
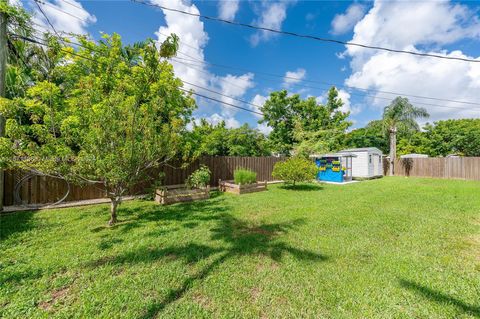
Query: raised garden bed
(179, 193)
(231, 187)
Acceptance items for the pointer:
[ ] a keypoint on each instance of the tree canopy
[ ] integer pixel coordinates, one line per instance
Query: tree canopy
(104, 112)
(303, 125)
(218, 140)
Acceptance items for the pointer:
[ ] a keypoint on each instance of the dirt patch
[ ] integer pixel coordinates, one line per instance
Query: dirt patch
(267, 264)
(258, 231)
(57, 295)
(202, 300)
(255, 293)
(102, 261)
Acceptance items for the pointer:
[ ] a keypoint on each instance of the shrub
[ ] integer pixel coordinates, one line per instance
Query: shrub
(295, 169)
(199, 179)
(244, 176)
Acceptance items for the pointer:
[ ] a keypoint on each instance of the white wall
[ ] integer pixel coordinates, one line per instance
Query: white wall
(361, 166)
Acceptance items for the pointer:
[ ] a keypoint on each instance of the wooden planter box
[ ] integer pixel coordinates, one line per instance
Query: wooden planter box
(179, 193)
(230, 187)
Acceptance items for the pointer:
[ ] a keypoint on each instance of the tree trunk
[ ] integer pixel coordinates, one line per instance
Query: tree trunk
(3, 67)
(393, 149)
(113, 211)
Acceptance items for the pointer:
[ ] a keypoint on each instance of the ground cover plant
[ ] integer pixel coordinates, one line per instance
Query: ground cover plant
(244, 176)
(394, 247)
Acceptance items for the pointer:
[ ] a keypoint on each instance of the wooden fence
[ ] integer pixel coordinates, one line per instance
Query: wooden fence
(41, 189)
(438, 167)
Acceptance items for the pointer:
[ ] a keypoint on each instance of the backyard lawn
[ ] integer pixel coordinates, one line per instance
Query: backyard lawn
(389, 248)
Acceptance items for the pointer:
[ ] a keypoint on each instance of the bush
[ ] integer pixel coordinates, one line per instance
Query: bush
(199, 179)
(244, 176)
(295, 169)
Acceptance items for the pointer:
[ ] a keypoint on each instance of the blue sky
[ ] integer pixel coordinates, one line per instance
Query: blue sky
(441, 27)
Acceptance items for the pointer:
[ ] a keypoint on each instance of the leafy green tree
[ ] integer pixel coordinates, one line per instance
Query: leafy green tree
(304, 125)
(106, 113)
(461, 137)
(295, 169)
(218, 140)
(400, 113)
(245, 141)
(372, 135)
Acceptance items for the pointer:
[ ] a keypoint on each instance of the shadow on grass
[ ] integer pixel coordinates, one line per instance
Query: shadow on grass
(236, 238)
(15, 223)
(190, 213)
(302, 187)
(440, 297)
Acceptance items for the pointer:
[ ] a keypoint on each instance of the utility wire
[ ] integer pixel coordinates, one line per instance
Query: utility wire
(221, 94)
(304, 80)
(207, 97)
(46, 17)
(222, 102)
(351, 93)
(306, 36)
(60, 10)
(182, 89)
(73, 5)
(326, 83)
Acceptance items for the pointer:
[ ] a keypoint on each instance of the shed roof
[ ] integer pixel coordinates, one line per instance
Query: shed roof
(362, 149)
(339, 154)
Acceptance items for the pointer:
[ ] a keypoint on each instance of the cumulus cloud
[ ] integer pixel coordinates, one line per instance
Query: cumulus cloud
(344, 22)
(293, 77)
(433, 25)
(347, 105)
(65, 17)
(272, 16)
(230, 121)
(193, 39)
(264, 128)
(227, 9)
(258, 101)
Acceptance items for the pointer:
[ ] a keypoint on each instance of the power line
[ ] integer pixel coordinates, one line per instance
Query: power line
(73, 5)
(213, 99)
(221, 94)
(355, 94)
(306, 36)
(46, 44)
(328, 83)
(304, 80)
(46, 17)
(60, 10)
(197, 94)
(222, 102)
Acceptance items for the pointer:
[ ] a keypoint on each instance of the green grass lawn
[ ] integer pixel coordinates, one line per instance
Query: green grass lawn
(388, 248)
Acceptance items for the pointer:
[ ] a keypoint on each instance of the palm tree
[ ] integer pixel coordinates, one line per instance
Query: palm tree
(400, 113)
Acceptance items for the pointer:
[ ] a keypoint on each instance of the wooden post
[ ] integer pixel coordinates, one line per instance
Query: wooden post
(3, 71)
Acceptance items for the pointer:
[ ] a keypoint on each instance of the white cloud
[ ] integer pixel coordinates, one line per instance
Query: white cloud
(63, 21)
(347, 106)
(344, 22)
(230, 122)
(234, 86)
(258, 101)
(264, 128)
(433, 25)
(272, 17)
(293, 77)
(227, 9)
(193, 40)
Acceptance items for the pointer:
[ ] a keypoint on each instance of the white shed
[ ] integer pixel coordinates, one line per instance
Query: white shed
(368, 162)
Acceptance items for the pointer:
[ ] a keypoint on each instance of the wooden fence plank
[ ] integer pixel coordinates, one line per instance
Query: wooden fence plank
(42, 189)
(440, 167)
